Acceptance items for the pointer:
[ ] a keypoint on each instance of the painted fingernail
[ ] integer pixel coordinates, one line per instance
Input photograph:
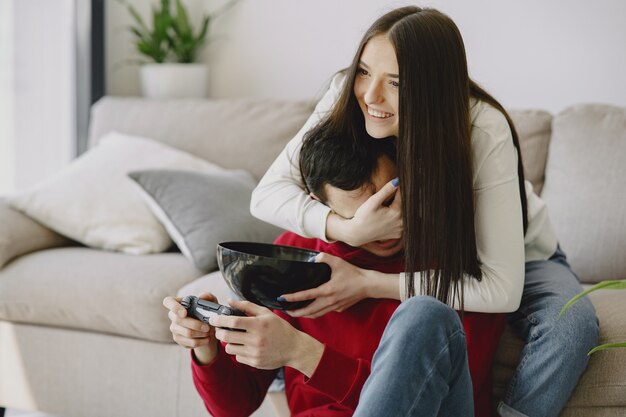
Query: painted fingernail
(395, 181)
(281, 299)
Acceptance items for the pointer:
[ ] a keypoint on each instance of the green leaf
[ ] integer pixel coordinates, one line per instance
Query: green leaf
(606, 346)
(170, 34)
(145, 49)
(203, 31)
(152, 43)
(137, 33)
(161, 24)
(182, 22)
(604, 285)
(133, 12)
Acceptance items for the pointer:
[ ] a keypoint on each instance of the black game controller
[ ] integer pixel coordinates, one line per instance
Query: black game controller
(203, 310)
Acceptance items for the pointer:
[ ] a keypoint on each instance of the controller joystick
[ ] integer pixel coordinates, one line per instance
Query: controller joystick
(203, 310)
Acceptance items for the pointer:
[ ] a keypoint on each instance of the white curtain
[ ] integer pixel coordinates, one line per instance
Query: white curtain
(39, 90)
(7, 165)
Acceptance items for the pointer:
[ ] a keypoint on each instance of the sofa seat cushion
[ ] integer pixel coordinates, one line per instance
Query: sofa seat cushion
(94, 290)
(604, 382)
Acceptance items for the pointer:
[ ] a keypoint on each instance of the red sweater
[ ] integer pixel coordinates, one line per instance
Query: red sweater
(229, 388)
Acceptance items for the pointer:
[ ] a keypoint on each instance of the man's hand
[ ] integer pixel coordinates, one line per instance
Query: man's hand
(268, 342)
(191, 333)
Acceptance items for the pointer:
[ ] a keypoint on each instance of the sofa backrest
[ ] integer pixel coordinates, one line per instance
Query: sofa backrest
(259, 129)
(580, 154)
(242, 133)
(585, 189)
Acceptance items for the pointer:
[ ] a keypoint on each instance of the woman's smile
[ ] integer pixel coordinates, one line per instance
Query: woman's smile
(378, 114)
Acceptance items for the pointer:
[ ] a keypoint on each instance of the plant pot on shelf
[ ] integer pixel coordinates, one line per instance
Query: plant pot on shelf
(174, 80)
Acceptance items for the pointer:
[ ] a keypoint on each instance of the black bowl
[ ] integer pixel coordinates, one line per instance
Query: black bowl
(261, 272)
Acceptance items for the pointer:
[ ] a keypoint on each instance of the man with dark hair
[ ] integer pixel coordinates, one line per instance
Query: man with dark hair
(327, 359)
(344, 176)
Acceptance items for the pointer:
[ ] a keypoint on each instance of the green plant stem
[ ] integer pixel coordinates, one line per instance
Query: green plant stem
(606, 346)
(604, 285)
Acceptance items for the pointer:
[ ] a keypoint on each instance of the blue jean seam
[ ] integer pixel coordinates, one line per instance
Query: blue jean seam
(528, 346)
(437, 359)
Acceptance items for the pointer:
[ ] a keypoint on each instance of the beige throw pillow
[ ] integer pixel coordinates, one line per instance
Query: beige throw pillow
(93, 201)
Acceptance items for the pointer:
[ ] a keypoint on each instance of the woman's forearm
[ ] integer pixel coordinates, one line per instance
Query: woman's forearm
(337, 229)
(381, 285)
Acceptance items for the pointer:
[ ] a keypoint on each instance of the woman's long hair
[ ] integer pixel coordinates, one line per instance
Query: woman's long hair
(434, 151)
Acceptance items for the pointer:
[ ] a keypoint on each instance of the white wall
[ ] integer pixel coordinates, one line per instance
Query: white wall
(37, 76)
(533, 53)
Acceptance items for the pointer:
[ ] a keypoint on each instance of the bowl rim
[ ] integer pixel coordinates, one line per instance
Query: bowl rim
(221, 245)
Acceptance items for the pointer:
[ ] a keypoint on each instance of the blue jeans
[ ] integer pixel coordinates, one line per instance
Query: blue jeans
(555, 354)
(437, 382)
(420, 367)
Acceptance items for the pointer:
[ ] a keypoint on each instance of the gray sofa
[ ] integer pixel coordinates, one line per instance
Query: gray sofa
(83, 332)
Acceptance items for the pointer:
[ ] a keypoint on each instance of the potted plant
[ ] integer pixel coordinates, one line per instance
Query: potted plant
(606, 285)
(172, 45)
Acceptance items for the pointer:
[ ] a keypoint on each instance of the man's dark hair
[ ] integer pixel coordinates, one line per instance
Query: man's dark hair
(327, 157)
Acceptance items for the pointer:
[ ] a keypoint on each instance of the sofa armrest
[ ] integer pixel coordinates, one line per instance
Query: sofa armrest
(19, 235)
(212, 282)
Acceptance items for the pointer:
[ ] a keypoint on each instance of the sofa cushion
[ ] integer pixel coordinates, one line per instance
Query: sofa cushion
(94, 202)
(239, 134)
(585, 189)
(534, 129)
(19, 235)
(202, 209)
(94, 290)
(603, 384)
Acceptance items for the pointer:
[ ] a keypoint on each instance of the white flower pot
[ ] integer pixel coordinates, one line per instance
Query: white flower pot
(174, 80)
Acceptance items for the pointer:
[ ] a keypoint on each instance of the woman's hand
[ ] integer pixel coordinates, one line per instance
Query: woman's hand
(379, 218)
(268, 342)
(347, 286)
(191, 333)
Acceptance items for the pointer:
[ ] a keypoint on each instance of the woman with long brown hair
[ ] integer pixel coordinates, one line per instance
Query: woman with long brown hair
(476, 237)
